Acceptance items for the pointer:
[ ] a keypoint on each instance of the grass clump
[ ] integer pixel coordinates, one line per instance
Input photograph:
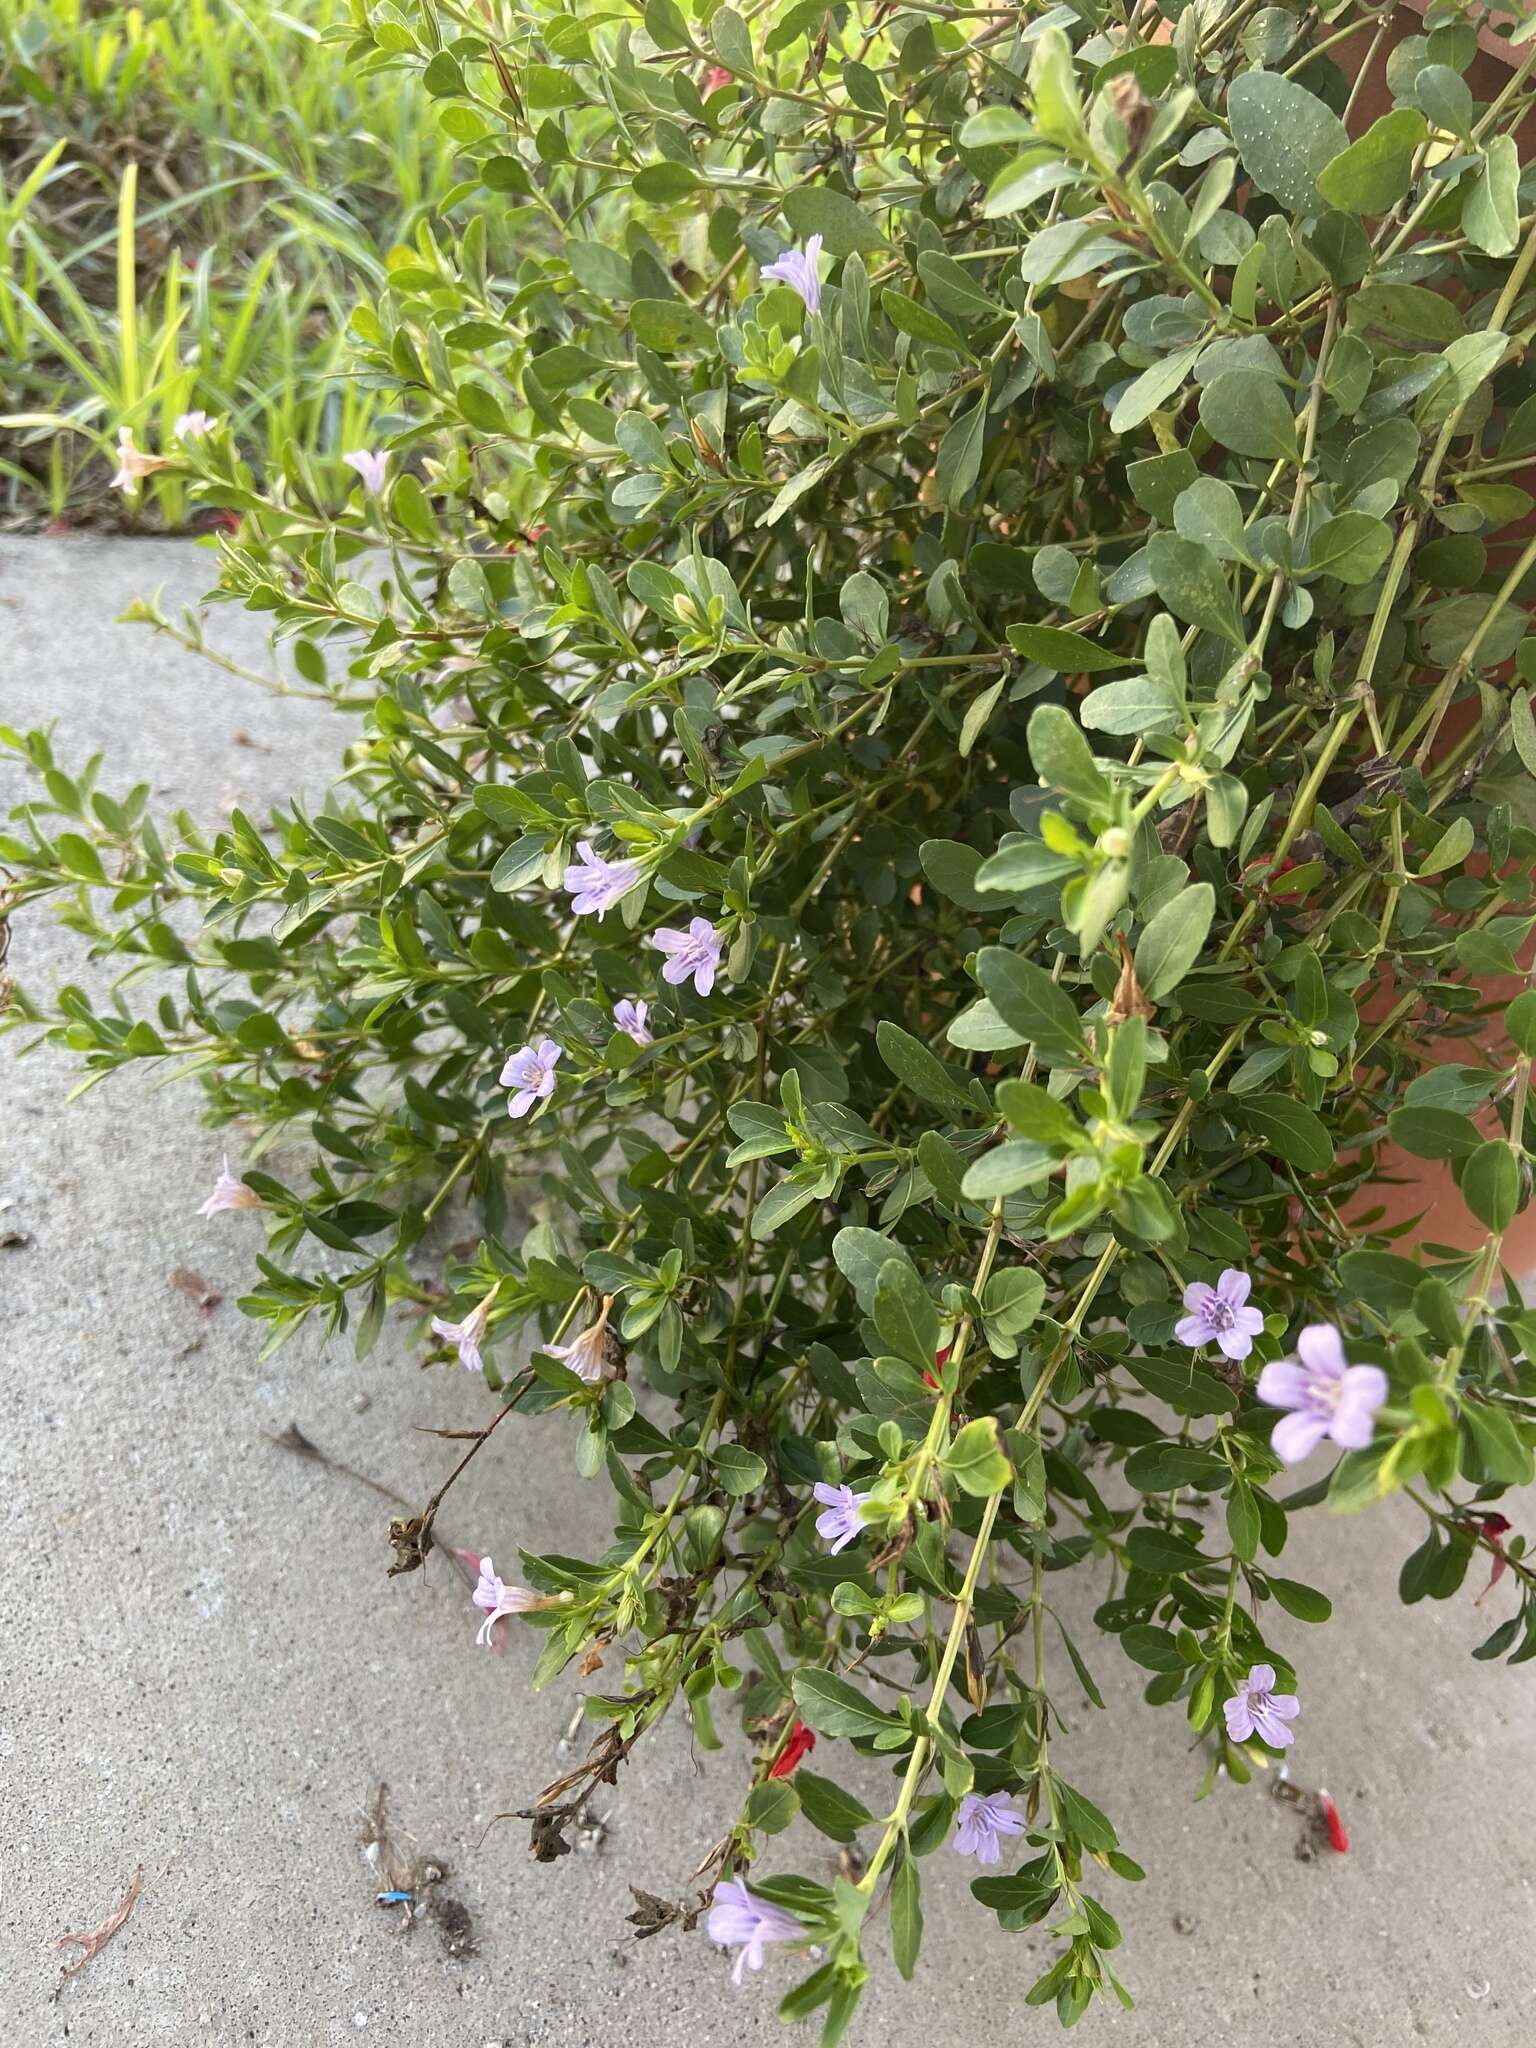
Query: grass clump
(192, 195)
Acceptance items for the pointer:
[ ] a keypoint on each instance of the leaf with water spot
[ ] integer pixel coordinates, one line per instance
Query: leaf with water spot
(1285, 137)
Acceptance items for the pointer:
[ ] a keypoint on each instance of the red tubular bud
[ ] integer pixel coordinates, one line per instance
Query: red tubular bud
(799, 1746)
(1333, 1821)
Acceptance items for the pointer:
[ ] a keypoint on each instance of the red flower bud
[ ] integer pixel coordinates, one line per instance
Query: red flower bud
(799, 1746)
(1493, 1528)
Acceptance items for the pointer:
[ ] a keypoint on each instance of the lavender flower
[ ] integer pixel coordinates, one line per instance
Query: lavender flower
(739, 1920)
(468, 1335)
(596, 884)
(1257, 1709)
(229, 1193)
(629, 1015)
(192, 426)
(371, 467)
(498, 1635)
(1331, 1397)
(587, 1355)
(842, 1524)
(797, 267)
(982, 1821)
(1217, 1315)
(531, 1071)
(695, 953)
(498, 1599)
(133, 464)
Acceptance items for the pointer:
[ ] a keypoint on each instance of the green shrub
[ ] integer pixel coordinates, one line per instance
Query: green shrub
(1022, 651)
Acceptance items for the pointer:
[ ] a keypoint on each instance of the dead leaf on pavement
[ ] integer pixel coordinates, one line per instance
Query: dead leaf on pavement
(96, 1938)
(206, 1296)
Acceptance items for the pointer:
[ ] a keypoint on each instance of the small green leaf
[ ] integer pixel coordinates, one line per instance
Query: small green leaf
(828, 1807)
(1375, 172)
(842, 224)
(1035, 1114)
(1063, 758)
(911, 316)
(1069, 249)
(1154, 1649)
(1351, 547)
(1162, 1552)
(1522, 728)
(772, 1805)
(1153, 388)
(1450, 849)
(1446, 98)
(1249, 413)
(1297, 1133)
(1187, 1388)
(959, 458)
(906, 1908)
(1027, 1000)
(1191, 582)
(1520, 1022)
(408, 503)
(832, 1706)
(904, 1314)
(1209, 512)
(928, 1077)
(660, 184)
(1158, 480)
(1067, 652)
(667, 326)
(1490, 1185)
(1080, 1817)
(975, 1459)
(1136, 704)
(1243, 1523)
(1305, 1602)
(1171, 943)
(1430, 1133)
(1502, 1453)
(740, 1470)
(860, 1256)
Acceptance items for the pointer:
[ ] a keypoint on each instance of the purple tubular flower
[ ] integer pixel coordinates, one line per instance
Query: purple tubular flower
(467, 1336)
(693, 954)
(842, 1524)
(596, 884)
(1217, 1315)
(1330, 1396)
(497, 1598)
(981, 1823)
(133, 464)
(797, 268)
(229, 1193)
(370, 467)
(629, 1015)
(1257, 1709)
(739, 1920)
(531, 1071)
(587, 1355)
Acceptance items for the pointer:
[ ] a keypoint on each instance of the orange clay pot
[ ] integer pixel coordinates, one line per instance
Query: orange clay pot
(1421, 1192)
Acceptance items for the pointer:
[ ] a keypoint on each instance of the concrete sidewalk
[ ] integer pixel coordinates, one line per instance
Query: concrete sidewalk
(206, 1671)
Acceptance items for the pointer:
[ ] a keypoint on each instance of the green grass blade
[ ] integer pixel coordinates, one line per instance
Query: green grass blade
(127, 289)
